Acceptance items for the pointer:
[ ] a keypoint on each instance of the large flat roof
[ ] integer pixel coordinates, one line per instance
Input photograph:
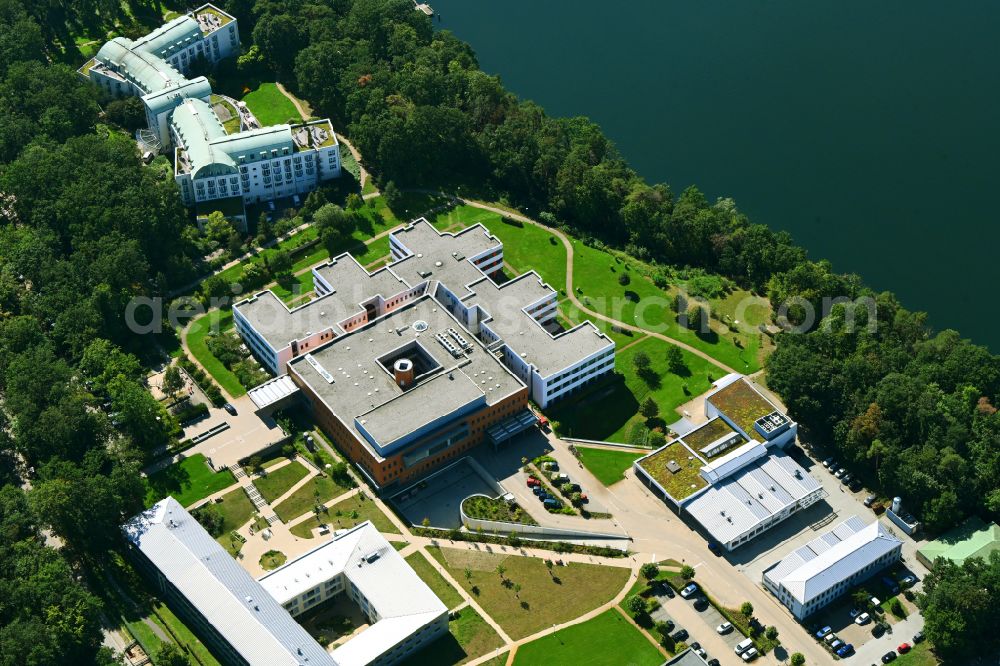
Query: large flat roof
(258, 628)
(751, 496)
(351, 285)
(403, 602)
(832, 557)
(547, 351)
(741, 403)
(363, 387)
(444, 257)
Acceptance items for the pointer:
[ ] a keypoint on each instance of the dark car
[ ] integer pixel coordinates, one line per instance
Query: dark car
(700, 604)
(229, 408)
(845, 650)
(666, 590)
(854, 486)
(680, 635)
(878, 630)
(713, 662)
(918, 637)
(670, 625)
(715, 548)
(888, 656)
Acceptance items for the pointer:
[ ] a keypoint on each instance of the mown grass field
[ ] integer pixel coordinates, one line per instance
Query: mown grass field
(469, 637)
(608, 466)
(320, 490)
(448, 595)
(270, 106)
(591, 643)
(348, 513)
(197, 334)
(188, 481)
(544, 598)
(276, 483)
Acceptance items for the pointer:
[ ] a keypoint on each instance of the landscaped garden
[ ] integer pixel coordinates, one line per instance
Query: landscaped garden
(197, 334)
(742, 405)
(188, 481)
(274, 484)
(607, 465)
(711, 432)
(236, 510)
(272, 559)
(523, 595)
(469, 637)
(270, 106)
(485, 508)
(591, 642)
(439, 586)
(681, 481)
(320, 490)
(347, 513)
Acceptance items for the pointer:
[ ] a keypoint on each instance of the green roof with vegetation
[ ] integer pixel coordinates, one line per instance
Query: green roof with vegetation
(708, 433)
(741, 404)
(686, 480)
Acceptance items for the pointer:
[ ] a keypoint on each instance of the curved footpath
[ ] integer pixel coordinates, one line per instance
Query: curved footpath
(572, 295)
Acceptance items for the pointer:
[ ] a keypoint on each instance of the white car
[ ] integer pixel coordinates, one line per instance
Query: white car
(724, 628)
(862, 619)
(749, 655)
(689, 591)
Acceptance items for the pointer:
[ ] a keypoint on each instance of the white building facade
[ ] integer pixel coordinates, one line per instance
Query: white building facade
(828, 566)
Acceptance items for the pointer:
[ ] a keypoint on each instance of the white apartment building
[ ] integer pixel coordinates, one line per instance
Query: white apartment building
(246, 621)
(214, 169)
(831, 564)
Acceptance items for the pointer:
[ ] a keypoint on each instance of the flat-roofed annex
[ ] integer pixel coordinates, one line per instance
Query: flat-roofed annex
(362, 388)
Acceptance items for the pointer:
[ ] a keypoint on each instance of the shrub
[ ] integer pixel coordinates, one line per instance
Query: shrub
(649, 571)
(798, 659)
(771, 633)
(623, 279)
(687, 572)
(747, 609)
(636, 605)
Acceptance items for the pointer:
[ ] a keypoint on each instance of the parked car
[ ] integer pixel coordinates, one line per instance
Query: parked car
(700, 651)
(533, 482)
(700, 603)
(688, 591)
(749, 655)
(824, 632)
(715, 548)
(679, 635)
(888, 656)
(724, 628)
(551, 504)
(830, 638)
(918, 637)
(903, 648)
(855, 612)
(845, 650)
(828, 462)
(537, 490)
(229, 408)
(743, 646)
(854, 486)
(667, 590)
(870, 500)
(878, 630)
(862, 619)
(670, 625)
(713, 662)
(836, 644)
(840, 472)
(846, 479)
(908, 580)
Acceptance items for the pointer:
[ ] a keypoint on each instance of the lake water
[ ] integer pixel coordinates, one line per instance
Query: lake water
(867, 130)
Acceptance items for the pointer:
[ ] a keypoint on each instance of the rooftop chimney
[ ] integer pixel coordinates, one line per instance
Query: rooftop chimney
(402, 370)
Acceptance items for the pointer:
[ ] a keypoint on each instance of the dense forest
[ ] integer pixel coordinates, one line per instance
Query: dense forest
(84, 227)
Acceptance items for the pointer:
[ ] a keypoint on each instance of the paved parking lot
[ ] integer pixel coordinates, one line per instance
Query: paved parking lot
(438, 497)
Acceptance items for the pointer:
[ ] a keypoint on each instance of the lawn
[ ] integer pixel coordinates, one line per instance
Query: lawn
(543, 600)
(188, 481)
(469, 637)
(322, 489)
(608, 466)
(272, 559)
(441, 587)
(620, 396)
(571, 315)
(682, 483)
(462, 217)
(214, 321)
(236, 509)
(348, 513)
(920, 655)
(596, 276)
(275, 484)
(270, 106)
(530, 247)
(591, 642)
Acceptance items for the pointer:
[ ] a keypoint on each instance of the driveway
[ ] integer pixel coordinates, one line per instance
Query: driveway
(248, 434)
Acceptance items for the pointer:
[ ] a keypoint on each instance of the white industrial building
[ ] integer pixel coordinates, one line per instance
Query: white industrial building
(829, 565)
(244, 621)
(745, 483)
(215, 169)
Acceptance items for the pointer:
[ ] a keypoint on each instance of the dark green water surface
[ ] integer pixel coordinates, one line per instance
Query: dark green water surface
(869, 130)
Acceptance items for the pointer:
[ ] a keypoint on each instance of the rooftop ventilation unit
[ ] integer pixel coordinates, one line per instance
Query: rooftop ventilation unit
(462, 342)
(420, 326)
(446, 343)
